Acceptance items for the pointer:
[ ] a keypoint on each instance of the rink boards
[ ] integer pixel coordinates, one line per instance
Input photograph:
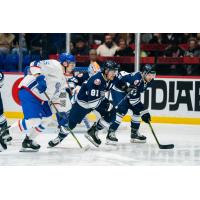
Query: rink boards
(171, 99)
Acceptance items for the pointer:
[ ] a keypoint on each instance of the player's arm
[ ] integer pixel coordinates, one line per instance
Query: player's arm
(41, 83)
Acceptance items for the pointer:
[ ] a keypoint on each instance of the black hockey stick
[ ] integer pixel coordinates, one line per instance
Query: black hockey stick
(161, 146)
(68, 129)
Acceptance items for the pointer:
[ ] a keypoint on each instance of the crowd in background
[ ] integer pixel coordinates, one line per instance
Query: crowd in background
(41, 45)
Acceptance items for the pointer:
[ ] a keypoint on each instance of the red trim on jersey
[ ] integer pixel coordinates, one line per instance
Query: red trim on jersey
(19, 125)
(179, 77)
(14, 73)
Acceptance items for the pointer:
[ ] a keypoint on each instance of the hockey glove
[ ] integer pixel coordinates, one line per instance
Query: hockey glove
(145, 115)
(41, 86)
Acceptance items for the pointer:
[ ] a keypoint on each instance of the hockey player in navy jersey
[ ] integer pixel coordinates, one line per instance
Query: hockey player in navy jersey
(3, 121)
(91, 97)
(126, 95)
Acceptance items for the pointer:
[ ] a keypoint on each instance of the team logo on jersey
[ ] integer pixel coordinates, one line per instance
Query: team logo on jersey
(136, 82)
(80, 75)
(97, 82)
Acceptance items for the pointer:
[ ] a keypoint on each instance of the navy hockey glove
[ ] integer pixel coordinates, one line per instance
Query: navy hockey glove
(41, 86)
(146, 117)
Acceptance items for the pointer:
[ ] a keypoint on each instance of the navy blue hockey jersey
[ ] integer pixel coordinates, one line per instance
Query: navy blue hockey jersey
(135, 80)
(93, 91)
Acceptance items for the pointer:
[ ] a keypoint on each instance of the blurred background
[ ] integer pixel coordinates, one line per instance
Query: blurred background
(171, 53)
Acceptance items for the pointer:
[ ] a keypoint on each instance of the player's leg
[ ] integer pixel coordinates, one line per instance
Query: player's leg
(120, 113)
(122, 109)
(103, 122)
(76, 115)
(136, 137)
(3, 121)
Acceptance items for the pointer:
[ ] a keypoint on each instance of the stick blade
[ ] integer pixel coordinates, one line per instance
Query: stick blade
(167, 146)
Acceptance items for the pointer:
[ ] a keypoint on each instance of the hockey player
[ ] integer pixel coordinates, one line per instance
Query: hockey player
(91, 97)
(55, 72)
(3, 121)
(126, 95)
(36, 110)
(76, 82)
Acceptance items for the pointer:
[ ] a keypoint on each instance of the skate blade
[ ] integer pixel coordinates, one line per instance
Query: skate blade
(137, 141)
(109, 142)
(28, 150)
(91, 140)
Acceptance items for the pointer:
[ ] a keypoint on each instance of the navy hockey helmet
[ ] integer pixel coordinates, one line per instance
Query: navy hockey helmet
(110, 65)
(149, 69)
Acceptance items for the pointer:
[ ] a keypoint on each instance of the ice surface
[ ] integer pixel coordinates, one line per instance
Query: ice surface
(186, 139)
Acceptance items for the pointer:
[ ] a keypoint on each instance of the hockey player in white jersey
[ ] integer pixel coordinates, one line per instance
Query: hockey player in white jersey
(54, 83)
(36, 110)
(62, 101)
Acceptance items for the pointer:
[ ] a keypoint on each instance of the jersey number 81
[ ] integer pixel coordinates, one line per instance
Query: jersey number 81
(95, 93)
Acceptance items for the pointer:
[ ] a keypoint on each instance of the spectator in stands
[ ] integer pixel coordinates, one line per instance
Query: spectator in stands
(93, 56)
(156, 39)
(15, 50)
(108, 48)
(193, 51)
(94, 59)
(35, 43)
(6, 42)
(168, 38)
(123, 49)
(146, 37)
(173, 50)
(80, 47)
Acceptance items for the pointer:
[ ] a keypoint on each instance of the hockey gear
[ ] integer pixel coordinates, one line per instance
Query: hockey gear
(29, 145)
(146, 117)
(1, 79)
(55, 142)
(65, 57)
(161, 146)
(4, 137)
(110, 65)
(111, 138)
(68, 129)
(149, 69)
(92, 135)
(42, 86)
(62, 134)
(136, 137)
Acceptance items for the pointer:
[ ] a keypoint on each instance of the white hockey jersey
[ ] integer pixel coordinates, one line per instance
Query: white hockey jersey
(29, 83)
(56, 84)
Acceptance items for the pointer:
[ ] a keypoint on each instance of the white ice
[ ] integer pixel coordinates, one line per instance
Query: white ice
(186, 139)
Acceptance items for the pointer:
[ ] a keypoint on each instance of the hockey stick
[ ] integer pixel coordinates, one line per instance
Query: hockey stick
(116, 107)
(161, 146)
(68, 129)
